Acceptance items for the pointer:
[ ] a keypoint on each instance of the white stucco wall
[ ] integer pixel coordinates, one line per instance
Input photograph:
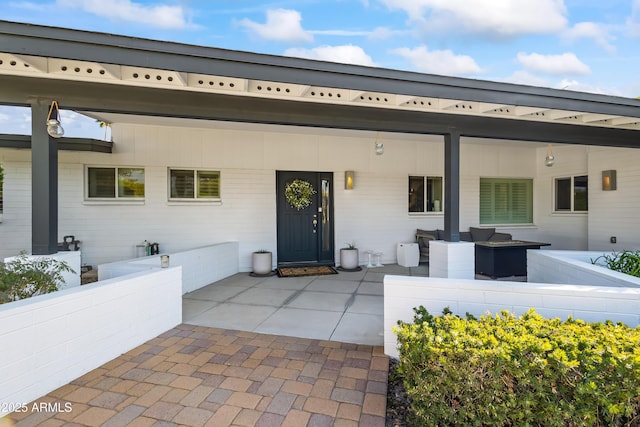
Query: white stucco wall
(374, 214)
(614, 213)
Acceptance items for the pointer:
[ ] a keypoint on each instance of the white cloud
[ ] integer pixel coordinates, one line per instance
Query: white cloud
(161, 16)
(443, 62)
(633, 22)
(15, 120)
(581, 87)
(282, 25)
(497, 18)
(525, 78)
(346, 54)
(591, 30)
(566, 63)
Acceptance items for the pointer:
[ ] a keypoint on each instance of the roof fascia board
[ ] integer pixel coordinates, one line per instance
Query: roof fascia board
(66, 144)
(196, 105)
(56, 42)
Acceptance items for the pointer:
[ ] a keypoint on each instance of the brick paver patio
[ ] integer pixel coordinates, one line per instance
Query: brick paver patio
(200, 376)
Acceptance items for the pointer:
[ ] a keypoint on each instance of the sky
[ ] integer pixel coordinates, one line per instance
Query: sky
(582, 45)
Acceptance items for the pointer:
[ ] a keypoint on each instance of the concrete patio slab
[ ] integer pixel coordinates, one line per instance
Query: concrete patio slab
(297, 322)
(233, 316)
(367, 304)
(259, 296)
(337, 286)
(320, 301)
(371, 288)
(319, 307)
(364, 328)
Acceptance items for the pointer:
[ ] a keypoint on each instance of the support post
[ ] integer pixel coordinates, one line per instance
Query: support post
(44, 183)
(452, 187)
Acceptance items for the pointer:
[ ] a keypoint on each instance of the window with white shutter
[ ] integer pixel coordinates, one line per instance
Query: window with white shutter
(506, 201)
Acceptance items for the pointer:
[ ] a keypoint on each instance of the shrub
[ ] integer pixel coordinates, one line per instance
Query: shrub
(26, 277)
(529, 371)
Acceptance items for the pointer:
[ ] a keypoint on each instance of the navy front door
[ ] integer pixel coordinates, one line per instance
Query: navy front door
(305, 231)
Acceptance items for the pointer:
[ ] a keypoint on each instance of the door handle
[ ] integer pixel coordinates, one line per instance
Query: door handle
(315, 223)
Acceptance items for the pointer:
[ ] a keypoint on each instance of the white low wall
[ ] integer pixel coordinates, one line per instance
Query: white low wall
(49, 340)
(200, 266)
(590, 303)
(73, 260)
(574, 267)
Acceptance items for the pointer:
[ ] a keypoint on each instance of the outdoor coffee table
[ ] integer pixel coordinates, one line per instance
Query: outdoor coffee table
(505, 258)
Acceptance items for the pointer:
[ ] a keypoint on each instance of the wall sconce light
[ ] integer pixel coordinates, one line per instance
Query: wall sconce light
(54, 128)
(348, 180)
(609, 180)
(549, 160)
(379, 146)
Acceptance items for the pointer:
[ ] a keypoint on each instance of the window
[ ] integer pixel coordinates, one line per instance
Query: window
(571, 194)
(506, 201)
(425, 194)
(115, 183)
(194, 184)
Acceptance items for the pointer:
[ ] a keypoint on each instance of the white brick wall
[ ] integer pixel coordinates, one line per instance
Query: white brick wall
(49, 340)
(373, 214)
(200, 266)
(590, 303)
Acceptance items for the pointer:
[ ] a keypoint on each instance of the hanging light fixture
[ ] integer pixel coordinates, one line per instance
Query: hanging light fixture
(54, 128)
(379, 146)
(549, 160)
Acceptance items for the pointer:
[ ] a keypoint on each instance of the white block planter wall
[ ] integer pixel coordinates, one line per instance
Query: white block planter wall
(200, 266)
(49, 340)
(451, 259)
(590, 303)
(574, 267)
(72, 258)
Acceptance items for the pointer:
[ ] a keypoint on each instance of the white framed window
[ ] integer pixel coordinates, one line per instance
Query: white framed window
(194, 184)
(114, 183)
(571, 194)
(506, 201)
(425, 194)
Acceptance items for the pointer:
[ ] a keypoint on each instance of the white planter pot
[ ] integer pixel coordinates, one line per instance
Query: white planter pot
(261, 262)
(349, 259)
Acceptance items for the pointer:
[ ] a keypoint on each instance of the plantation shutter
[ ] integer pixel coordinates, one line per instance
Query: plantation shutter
(506, 201)
(209, 184)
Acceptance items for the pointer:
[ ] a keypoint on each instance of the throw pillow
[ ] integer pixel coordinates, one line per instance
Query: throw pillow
(481, 234)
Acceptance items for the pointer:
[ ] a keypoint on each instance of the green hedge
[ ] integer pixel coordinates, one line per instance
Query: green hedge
(505, 370)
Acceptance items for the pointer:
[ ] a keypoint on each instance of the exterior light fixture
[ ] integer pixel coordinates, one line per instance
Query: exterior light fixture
(54, 129)
(549, 160)
(609, 180)
(379, 146)
(348, 180)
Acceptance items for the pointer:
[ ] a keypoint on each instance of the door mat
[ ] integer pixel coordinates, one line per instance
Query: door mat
(320, 270)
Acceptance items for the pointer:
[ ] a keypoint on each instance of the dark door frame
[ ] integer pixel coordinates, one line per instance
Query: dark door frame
(323, 205)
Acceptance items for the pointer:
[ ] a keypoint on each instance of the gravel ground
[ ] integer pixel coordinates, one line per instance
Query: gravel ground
(397, 401)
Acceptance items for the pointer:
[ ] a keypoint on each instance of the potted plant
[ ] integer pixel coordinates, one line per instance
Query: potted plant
(349, 257)
(261, 262)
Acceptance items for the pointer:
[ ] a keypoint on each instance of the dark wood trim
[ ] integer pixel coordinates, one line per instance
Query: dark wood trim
(65, 144)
